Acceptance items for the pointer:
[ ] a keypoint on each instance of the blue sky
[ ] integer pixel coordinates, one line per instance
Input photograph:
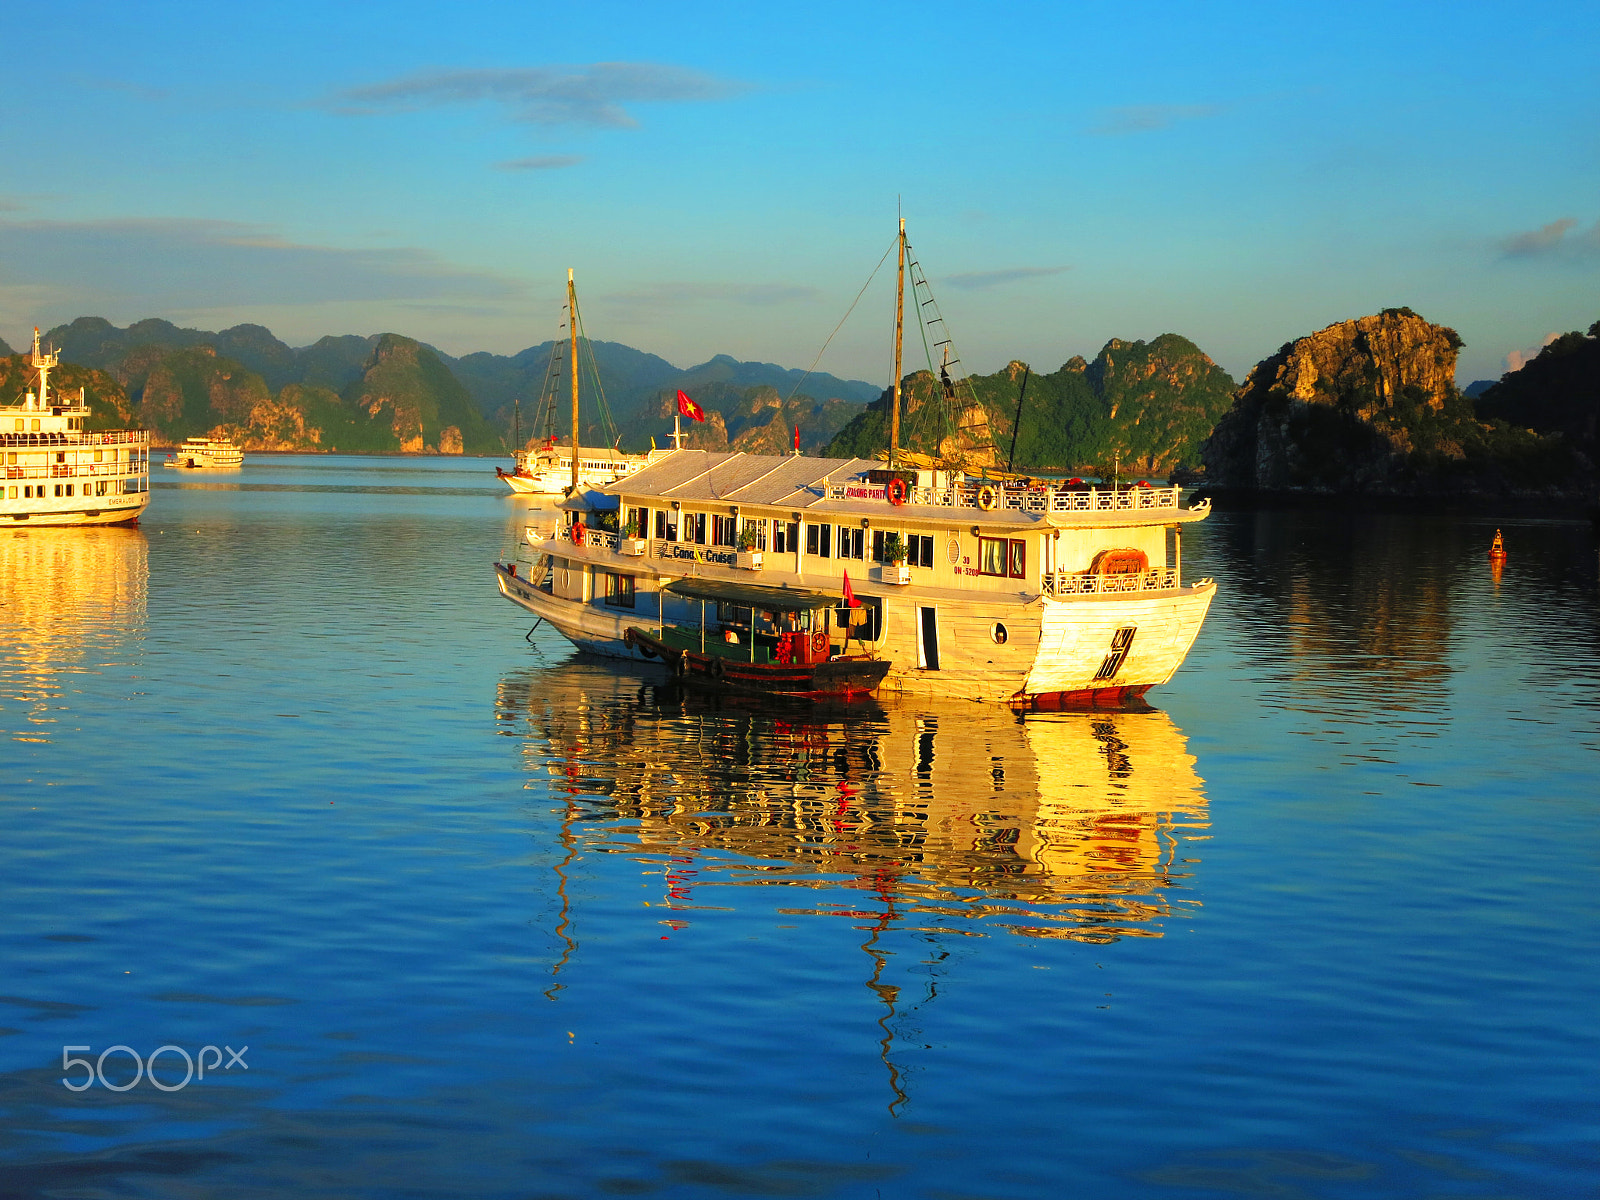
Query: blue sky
(724, 177)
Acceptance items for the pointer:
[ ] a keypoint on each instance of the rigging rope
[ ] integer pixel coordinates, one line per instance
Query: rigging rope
(844, 318)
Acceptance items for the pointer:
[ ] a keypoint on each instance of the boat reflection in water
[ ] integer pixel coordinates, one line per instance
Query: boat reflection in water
(73, 599)
(955, 817)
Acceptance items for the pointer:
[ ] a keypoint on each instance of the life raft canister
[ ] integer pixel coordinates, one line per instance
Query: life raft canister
(1120, 562)
(988, 497)
(896, 491)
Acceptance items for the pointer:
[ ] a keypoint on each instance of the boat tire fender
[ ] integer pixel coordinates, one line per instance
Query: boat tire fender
(896, 491)
(719, 669)
(988, 497)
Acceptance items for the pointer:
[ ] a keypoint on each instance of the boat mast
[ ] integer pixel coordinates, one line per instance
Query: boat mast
(899, 329)
(43, 363)
(572, 331)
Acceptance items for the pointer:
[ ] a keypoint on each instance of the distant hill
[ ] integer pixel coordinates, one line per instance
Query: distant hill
(635, 383)
(1477, 388)
(272, 396)
(1143, 407)
(1369, 406)
(1557, 393)
(5, 349)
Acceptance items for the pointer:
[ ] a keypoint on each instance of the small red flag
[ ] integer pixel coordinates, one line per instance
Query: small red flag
(797, 437)
(689, 408)
(850, 600)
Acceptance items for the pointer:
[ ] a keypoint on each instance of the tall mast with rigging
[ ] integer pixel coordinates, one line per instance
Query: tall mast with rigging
(572, 331)
(899, 329)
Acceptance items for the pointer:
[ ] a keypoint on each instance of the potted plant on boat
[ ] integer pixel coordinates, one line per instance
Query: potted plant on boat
(894, 569)
(748, 558)
(632, 541)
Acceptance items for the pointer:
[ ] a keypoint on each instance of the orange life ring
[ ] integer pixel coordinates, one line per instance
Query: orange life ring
(988, 497)
(577, 533)
(896, 491)
(819, 642)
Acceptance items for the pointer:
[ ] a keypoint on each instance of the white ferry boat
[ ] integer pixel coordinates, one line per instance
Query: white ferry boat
(1040, 596)
(206, 454)
(56, 472)
(546, 470)
(550, 469)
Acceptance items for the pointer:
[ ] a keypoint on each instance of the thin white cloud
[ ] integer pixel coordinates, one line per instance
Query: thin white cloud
(1147, 118)
(664, 295)
(543, 162)
(977, 281)
(590, 95)
(163, 264)
(1552, 241)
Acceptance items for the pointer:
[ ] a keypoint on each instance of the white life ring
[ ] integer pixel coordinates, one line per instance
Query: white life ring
(988, 497)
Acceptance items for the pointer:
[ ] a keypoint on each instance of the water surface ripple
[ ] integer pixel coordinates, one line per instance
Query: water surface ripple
(281, 771)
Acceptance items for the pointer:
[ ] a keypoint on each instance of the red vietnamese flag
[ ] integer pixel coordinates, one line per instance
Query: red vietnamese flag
(689, 408)
(797, 438)
(850, 600)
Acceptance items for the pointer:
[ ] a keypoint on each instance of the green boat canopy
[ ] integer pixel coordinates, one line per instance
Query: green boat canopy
(754, 595)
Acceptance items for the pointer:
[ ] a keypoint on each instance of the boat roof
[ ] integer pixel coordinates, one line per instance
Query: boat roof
(734, 477)
(755, 595)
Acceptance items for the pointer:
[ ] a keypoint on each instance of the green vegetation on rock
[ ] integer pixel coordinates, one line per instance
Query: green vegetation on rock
(1144, 405)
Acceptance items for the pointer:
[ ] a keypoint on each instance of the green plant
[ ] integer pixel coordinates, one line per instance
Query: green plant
(631, 530)
(894, 549)
(747, 538)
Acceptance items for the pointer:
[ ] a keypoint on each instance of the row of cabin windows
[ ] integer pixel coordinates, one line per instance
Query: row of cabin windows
(22, 424)
(997, 556)
(35, 491)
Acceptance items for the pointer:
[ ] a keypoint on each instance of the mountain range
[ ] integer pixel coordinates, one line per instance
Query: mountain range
(385, 392)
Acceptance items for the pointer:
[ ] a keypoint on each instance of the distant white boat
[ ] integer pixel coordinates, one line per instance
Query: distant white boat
(546, 470)
(206, 454)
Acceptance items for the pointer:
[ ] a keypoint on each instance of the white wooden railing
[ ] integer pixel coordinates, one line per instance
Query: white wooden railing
(1073, 583)
(1038, 499)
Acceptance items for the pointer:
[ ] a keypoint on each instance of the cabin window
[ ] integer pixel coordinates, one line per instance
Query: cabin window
(99, 455)
(13, 493)
(919, 550)
(58, 489)
(36, 425)
(639, 521)
(1002, 556)
(785, 537)
(695, 522)
(852, 542)
(724, 531)
(759, 528)
(11, 459)
(661, 525)
(20, 425)
(619, 590)
(61, 456)
(819, 540)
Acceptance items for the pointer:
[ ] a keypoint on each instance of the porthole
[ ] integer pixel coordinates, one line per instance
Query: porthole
(998, 633)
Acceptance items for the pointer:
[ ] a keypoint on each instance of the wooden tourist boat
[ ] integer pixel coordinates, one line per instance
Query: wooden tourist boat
(768, 640)
(56, 472)
(1036, 594)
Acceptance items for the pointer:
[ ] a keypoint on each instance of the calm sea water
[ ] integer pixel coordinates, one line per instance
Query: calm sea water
(281, 771)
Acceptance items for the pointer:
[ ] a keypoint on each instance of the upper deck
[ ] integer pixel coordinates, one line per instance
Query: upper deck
(858, 487)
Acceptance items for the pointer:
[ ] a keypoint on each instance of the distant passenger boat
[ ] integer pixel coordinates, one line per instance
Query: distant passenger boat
(549, 469)
(57, 473)
(206, 454)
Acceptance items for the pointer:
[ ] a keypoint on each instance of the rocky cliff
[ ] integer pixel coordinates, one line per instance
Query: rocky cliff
(1370, 406)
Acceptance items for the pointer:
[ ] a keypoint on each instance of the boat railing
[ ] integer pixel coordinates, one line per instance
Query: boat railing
(73, 470)
(1075, 583)
(599, 539)
(1036, 499)
(73, 438)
